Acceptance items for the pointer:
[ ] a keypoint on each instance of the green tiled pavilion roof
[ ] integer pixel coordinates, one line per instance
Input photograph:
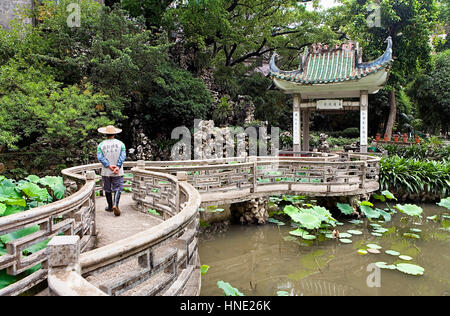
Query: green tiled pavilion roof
(325, 65)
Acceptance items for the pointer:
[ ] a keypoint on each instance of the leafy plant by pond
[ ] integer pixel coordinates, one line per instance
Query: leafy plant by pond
(414, 177)
(228, 289)
(21, 196)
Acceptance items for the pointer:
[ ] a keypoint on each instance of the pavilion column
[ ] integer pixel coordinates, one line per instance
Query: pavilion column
(305, 126)
(296, 123)
(364, 104)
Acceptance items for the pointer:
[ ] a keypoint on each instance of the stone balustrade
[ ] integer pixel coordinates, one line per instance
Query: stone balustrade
(164, 258)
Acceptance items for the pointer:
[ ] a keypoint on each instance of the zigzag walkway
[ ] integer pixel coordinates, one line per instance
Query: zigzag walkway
(139, 253)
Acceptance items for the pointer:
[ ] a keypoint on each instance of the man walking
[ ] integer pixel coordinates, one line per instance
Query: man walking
(111, 153)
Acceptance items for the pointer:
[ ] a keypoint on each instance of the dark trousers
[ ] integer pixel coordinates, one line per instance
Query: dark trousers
(112, 184)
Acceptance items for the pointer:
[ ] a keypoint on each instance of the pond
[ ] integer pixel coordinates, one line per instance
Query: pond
(263, 260)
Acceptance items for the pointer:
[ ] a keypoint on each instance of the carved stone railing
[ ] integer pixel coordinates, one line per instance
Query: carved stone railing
(167, 251)
(314, 174)
(73, 215)
(162, 260)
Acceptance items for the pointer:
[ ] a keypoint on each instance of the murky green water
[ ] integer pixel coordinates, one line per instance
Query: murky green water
(259, 261)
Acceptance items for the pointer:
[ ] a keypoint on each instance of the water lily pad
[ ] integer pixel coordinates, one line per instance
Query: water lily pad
(339, 223)
(380, 230)
(405, 257)
(374, 246)
(362, 251)
(344, 235)
(354, 232)
(445, 203)
(377, 234)
(345, 240)
(411, 235)
(329, 236)
(275, 221)
(432, 218)
(392, 252)
(372, 250)
(416, 230)
(410, 268)
(409, 209)
(282, 293)
(309, 237)
(384, 265)
(356, 221)
(345, 208)
(375, 225)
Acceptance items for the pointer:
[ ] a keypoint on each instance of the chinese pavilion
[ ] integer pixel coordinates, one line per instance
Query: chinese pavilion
(331, 79)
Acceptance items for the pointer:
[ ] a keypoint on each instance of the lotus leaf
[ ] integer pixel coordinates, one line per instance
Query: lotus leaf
(411, 235)
(374, 246)
(405, 257)
(345, 208)
(345, 241)
(275, 221)
(410, 268)
(369, 212)
(392, 252)
(228, 289)
(362, 251)
(389, 195)
(445, 203)
(344, 235)
(409, 209)
(354, 232)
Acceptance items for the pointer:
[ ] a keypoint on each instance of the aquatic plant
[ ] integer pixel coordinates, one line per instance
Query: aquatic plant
(228, 289)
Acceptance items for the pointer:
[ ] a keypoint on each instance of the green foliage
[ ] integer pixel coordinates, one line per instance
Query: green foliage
(228, 289)
(20, 196)
(431, 93)
(424, 150)
(204, 268)
(410, 209)
(445, 203)
(414, 176)
(33, 105)
(345, 208)
(24, 194)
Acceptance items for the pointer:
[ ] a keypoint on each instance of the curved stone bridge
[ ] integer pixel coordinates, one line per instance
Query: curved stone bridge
(92, 252)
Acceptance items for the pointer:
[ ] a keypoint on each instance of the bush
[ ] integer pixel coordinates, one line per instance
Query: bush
(415, 176)
(351, 132)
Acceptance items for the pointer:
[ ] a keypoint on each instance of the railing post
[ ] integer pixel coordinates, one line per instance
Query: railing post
(90, 176)
(363, 175)
(181, 177)
(254, 159)
(141, 164)
(63, 254)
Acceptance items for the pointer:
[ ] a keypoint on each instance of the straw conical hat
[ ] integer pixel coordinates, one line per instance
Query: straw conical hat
(109, 130)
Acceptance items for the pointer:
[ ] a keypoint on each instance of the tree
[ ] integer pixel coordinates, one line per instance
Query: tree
(410, 24)
(233, 31)
(431, 93)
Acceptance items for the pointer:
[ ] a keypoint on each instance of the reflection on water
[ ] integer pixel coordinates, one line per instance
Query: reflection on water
(259, 260)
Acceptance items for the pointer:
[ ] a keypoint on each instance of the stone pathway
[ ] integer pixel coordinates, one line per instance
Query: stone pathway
(111, 228)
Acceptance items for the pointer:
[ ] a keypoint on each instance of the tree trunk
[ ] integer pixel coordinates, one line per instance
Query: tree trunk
(392, 113)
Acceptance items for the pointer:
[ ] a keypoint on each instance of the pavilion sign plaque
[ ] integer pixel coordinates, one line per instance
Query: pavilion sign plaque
(332, 104)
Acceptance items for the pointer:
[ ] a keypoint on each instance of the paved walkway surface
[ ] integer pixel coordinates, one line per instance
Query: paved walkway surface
(111, 228)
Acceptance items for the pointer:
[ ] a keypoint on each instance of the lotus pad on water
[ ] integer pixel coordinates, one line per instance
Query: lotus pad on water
(410, 268)
(392, 252)
(354, 232)
(409, 209)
